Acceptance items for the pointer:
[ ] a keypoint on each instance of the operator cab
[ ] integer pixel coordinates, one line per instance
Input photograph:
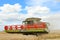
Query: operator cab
(31, 21)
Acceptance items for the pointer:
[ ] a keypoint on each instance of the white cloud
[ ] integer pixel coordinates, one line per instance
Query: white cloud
(10, 12)
(7, 8)
(37, 11)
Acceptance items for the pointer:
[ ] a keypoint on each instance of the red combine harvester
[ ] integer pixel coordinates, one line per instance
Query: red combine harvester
(30, 25)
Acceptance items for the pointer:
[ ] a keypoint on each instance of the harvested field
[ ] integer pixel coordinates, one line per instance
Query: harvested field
(16, 36)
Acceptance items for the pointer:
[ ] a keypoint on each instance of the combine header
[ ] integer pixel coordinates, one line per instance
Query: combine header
(30, 25)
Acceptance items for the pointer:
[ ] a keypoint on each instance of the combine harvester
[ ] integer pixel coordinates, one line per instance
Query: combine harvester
(30, 25)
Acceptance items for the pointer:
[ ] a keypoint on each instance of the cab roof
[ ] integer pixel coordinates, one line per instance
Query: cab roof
(30, 19)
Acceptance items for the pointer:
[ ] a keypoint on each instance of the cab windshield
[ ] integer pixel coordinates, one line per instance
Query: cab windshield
(28, 22)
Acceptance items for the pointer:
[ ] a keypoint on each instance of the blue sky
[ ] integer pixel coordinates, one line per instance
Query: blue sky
(54, 6)
(12, 2)
(15, 11)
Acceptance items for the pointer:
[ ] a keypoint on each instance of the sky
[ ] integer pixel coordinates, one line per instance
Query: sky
(13, 12)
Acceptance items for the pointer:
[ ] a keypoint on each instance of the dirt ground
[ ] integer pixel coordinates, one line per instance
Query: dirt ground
(16, 36)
